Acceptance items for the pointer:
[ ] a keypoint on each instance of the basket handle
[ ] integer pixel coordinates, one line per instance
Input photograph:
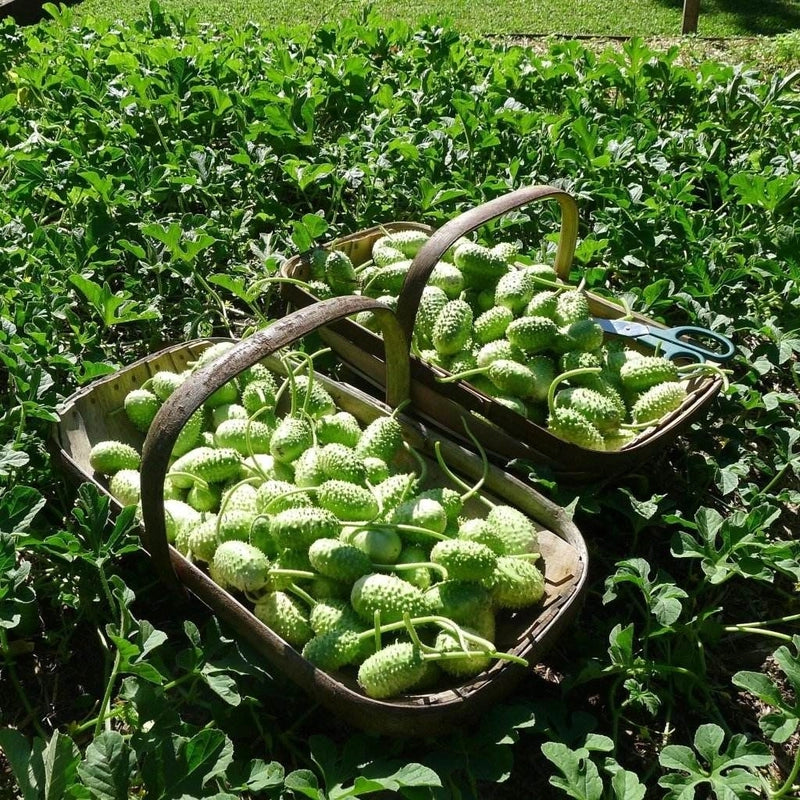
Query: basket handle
(442, 239)
(177, 409)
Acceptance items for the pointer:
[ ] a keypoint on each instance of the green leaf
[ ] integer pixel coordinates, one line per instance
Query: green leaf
(61, 758)
(581, 777)
(304, 781)
(265, 776)
(17, 751)
(18, 509)
(108, 766)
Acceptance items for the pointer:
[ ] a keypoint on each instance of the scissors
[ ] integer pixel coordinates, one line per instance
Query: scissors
(678, 342)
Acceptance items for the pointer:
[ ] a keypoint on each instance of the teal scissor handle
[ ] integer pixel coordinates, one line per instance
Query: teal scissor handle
(672, 343)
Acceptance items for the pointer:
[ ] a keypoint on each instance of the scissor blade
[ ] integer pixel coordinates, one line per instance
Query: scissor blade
(622, 327)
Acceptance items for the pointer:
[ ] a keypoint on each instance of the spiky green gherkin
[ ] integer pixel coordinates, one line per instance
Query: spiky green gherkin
(296, 528)
(391, 596)
(452, 328)
(492, 324)
(141, 407)
(639, 374)
(111, 456)
(532, 334)
(284, 615)
(241, 566)
(658, 401)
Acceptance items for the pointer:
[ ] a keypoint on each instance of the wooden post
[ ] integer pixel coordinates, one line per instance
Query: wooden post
(691, 11)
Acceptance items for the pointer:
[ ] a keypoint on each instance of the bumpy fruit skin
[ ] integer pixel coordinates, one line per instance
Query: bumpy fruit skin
(377, 470)
(285, 616)
(395, 669)
(471, 663)
(334, 614)
(313, 397)
(391, 492)
(384, 253)
(341, 462)
(658, 401)
(600, 410)
(492, 324)
(409, 242)
(476, 530)
(189, 436)
(300, 527)
(290, 438)
(388, 594)
(125, 485)
(382, 438)
(512, 378)
(516, 583)
(516, 530)
(542, 304)
(452, 328)
(258, 395)
(235, 523)
(348, 501)
(387, 280)
(240, 565)
(247, 436)
(204, 497)
(481, 266)
(498, 349)
(433, 300)
(448, 278)
(308, 469)
(274, 496)
(585, 335)
(227, 393)
(339, 428)
(514, 290)
(640, 374)
(179, 517)
(421, 512)
(202, 539)
(572, 426)
(340, 273)
(213, 465)
(418, 576)
(164, 383)
(532, 334)
(449, 499)
(459, 600)
(571, 306)
(463, 559)
(141, 406)
(111, 456)
(333, 649)
(211, 353)
(337, 560)
(227, 411)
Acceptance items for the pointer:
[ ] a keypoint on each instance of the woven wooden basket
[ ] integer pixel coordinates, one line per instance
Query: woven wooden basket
(88, 417)
(504, 433)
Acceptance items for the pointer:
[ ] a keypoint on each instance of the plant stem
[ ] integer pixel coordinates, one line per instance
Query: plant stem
(763, 631)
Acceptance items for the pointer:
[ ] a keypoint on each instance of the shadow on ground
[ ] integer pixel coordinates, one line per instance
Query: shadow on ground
(762, 18)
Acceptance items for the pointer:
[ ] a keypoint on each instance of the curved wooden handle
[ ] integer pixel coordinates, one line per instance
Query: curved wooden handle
(198, 387)
(441, 241)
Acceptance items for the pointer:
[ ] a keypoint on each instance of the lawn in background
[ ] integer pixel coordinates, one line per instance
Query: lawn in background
(718, 18)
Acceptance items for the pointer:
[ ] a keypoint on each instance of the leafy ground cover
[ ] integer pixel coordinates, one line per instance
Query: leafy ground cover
(636, 17)
(153, 173)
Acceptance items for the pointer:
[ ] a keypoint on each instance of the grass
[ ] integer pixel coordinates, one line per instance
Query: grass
(718, 18)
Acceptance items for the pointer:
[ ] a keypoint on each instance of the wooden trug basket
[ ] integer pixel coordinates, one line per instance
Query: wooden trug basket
(88, 416)
(504, 433)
